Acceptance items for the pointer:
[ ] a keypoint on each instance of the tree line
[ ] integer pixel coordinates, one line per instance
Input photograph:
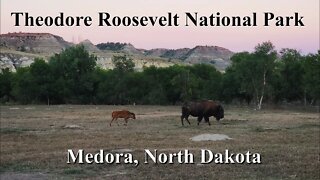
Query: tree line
(73, 77)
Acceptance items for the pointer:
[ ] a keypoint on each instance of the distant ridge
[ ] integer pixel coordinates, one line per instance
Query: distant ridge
(47, 44)
(34, 42)
(89, 46)
(215, 55)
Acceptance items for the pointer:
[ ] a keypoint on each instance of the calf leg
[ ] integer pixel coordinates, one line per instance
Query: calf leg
(111, 121)
(116, 119)
(126, 120)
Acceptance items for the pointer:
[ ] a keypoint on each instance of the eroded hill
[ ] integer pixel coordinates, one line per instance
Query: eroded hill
(20, 49)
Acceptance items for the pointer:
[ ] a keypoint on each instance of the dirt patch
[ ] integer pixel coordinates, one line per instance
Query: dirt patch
(72, 126)
(210, 137)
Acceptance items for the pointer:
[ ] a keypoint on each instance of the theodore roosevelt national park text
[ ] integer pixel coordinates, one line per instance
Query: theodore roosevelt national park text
(168, 19)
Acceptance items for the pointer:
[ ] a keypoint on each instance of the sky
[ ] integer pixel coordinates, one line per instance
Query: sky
(305, 39)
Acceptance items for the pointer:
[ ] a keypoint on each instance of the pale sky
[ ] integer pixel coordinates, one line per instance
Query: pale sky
(305, 39)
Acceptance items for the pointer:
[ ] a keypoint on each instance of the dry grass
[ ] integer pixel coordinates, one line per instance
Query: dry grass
(34, 142)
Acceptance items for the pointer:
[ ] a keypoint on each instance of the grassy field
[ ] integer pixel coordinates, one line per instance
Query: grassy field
(35, 139)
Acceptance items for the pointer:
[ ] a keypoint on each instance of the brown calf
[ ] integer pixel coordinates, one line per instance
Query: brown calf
(122, 114)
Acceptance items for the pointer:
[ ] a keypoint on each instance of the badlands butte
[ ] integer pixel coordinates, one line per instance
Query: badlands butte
(20, 50)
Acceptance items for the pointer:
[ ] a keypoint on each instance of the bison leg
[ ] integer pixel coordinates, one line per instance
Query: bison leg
(207, 120)
(184, 117)
(199, 119)
(188, 120)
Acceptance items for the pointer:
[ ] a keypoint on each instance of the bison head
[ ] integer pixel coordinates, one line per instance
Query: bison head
(220, 113)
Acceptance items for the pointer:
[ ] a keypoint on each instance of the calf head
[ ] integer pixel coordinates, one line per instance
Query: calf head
(132, 115)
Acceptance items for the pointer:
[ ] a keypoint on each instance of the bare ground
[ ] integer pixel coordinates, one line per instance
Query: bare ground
(35, 139)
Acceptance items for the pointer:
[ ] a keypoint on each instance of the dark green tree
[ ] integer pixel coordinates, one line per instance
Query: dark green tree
(291, 75)
(206, 82)
(6, 83)
(73, 72)
(265, 56)
(311, 77)
(120, 84)
(42, 80)
(123, 63)
(254, 71)
(231, 88)
(238, 82)
(155, 82)
(23, 90)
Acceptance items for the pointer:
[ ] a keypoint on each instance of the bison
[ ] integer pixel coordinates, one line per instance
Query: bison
(202, 109)
(122, 114)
